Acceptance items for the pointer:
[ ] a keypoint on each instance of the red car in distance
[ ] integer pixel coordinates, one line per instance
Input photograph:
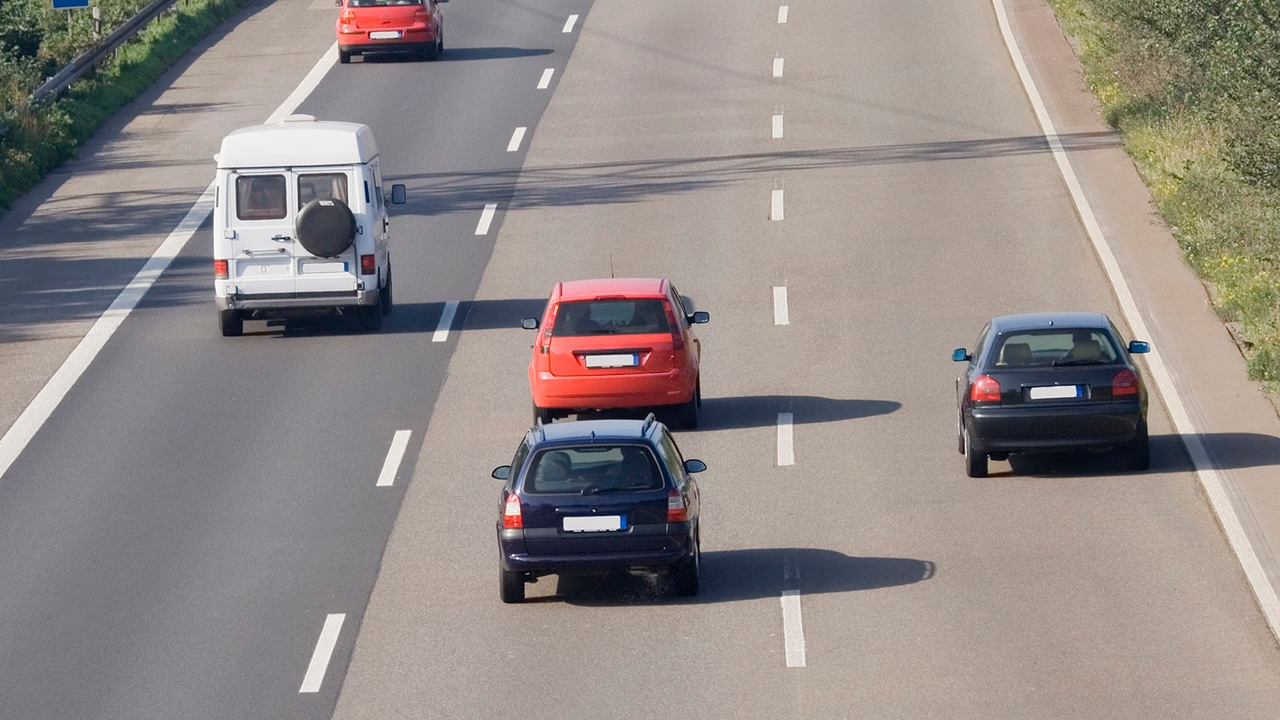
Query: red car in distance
(367, 26)
(615, 343)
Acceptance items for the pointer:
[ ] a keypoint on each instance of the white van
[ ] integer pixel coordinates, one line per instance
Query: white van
(300, 223)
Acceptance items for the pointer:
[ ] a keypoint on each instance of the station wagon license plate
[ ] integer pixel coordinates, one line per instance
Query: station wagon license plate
(611, 361)
(1054, 392)
(384, 35)
(595, 523)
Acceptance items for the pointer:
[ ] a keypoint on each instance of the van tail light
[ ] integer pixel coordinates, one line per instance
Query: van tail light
(512, 519)
(1124, 383)
(677, 337)
(985, 389)
(368, 265)
(220, 269)
(676, 511)
(547, 327)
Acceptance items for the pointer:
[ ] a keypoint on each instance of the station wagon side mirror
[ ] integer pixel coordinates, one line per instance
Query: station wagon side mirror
(694, 466)
(502, 473)
(960, 355)
(1139, 347)
(700, 317)
(529, 323)
(397, 194)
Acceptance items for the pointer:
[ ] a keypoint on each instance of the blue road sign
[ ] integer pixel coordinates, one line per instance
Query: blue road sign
(69, 4)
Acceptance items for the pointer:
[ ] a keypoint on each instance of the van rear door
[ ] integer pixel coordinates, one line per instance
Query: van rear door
(263, 247)
(341, 273)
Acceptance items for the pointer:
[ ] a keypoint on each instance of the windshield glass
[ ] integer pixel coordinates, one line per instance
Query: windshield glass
(1053, 346)
(593, 469)
(611, 317)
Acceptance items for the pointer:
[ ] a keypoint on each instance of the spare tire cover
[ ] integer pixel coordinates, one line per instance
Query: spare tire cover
(325, 227)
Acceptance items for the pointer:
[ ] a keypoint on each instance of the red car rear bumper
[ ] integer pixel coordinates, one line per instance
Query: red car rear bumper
(605, 392)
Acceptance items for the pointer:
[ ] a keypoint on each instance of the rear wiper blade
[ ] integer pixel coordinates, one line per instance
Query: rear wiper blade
(1065, 363)
(597, 490)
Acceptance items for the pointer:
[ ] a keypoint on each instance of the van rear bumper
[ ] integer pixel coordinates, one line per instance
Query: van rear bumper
(298, 301)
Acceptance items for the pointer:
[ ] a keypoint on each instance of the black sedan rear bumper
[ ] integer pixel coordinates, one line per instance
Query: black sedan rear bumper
(1023, 428)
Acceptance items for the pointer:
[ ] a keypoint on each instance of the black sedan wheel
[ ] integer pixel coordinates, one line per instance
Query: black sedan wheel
(975, 462)
(1138, 452)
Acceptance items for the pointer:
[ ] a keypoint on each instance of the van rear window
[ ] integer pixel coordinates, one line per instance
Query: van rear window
(611, 317)
(322, 186)
(261, 197)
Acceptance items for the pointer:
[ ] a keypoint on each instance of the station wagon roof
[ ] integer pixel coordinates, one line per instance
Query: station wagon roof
(590, 289)
(603, 429)
(297, 141)
(1039, 321)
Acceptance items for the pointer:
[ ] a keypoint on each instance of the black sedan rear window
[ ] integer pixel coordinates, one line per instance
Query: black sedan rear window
(593, 469)
(584, 318)
(1053, 347)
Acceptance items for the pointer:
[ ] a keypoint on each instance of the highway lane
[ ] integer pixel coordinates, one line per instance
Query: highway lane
(918, 203)
(179, 531)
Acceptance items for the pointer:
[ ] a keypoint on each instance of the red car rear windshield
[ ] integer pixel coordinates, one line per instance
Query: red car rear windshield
(611, 317)
(381, 3)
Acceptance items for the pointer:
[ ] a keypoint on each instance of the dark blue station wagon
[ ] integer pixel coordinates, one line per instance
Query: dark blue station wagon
(598, 494)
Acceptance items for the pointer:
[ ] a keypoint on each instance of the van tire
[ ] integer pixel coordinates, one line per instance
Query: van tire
(325, 227)
(231, 322)
(385, 300)
(370, 317)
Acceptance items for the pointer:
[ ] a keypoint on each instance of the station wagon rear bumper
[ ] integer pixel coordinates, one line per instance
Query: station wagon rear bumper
(298, 301)
(513, 549)
(1058, 427)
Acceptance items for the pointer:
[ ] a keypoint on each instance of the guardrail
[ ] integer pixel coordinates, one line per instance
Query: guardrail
(91, 58)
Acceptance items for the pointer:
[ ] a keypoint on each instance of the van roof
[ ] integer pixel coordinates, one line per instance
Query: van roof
(297, 141)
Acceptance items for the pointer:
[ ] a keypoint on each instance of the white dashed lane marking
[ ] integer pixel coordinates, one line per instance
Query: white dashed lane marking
(777, 67)
(775, 205)
(446, 321)
(777, 126)
(782, 14)
(793, 628)
(568, 24)
(780, 314)
(516, 138)
(786, 455)
(545, 81)
(395, 456)
(486, 217)
(324, 651)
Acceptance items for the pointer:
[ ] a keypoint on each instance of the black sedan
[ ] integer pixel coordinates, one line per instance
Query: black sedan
(1050, 381)
(594, 495)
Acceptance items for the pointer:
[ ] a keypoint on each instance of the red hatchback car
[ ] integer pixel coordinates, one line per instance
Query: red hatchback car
(615, 343)
(366, 26)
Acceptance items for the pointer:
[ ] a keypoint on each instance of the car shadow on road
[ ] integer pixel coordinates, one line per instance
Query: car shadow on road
(751, 574)
(1228, 451)
(454, 54)
(748, 411)
(423, 318)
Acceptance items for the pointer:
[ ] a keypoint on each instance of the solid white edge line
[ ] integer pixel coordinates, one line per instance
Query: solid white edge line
(51, 395)
(446, 321)
(516, 137)
(568, 24)
(793, 628)
(399, 443)
(323, 653)
(775, 205)
(786, 452)
(780, 313)
(782, 14)
(1220, 503)
(545, 81)
(777, 67)
(307, 86)
(486, 217)
(777, 127)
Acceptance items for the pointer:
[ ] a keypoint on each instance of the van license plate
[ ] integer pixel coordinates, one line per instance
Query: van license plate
(384, 35)
(611, 361)
(309, 268)
(1054, 392)
(595, 523)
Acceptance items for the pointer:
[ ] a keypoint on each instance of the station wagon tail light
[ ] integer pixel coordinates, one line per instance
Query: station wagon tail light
(368, 265)
(220, 269)
(677, 338)
(1124, 383)
(985, 389)
(676, 511)
(512, 519)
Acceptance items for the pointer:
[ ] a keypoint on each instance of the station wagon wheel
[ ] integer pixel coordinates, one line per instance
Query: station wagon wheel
(231, 322)
(975, 462)
(686, 574)
(511, 586)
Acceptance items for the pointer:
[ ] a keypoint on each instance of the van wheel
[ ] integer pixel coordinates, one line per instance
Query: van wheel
(686, 574)
(370, 318)
(344, 56)
(231, 322)
(510, 586)
(385, 299)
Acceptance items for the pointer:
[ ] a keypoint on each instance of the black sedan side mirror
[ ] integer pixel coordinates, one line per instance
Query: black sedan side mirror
(694, 466)
(1139, 347)
(397, 194)
(700, 317)
(961, 355)
(502, 473)
(529, 323)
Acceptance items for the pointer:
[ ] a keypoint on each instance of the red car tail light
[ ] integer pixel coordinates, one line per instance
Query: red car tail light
(512, 519)
(677, 337)
(347, 17)
(220, 269)
(676, 511)
(1124, 383)
(368, 265)
(422, 16)
(545, 342)
(985, 389)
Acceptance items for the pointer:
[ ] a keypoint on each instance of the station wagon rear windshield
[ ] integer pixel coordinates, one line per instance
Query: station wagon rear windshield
(593, 469)
(1053, 347)
(585, 318)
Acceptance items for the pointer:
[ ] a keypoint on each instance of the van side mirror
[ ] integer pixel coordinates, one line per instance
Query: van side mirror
(502, 473)
(700, 317)
(397, 194)
(1139, 347)
(694, 466)
(960, 355)
(529, 323)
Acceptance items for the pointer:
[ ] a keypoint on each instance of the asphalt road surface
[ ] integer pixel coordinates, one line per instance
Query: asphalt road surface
(201, 514)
